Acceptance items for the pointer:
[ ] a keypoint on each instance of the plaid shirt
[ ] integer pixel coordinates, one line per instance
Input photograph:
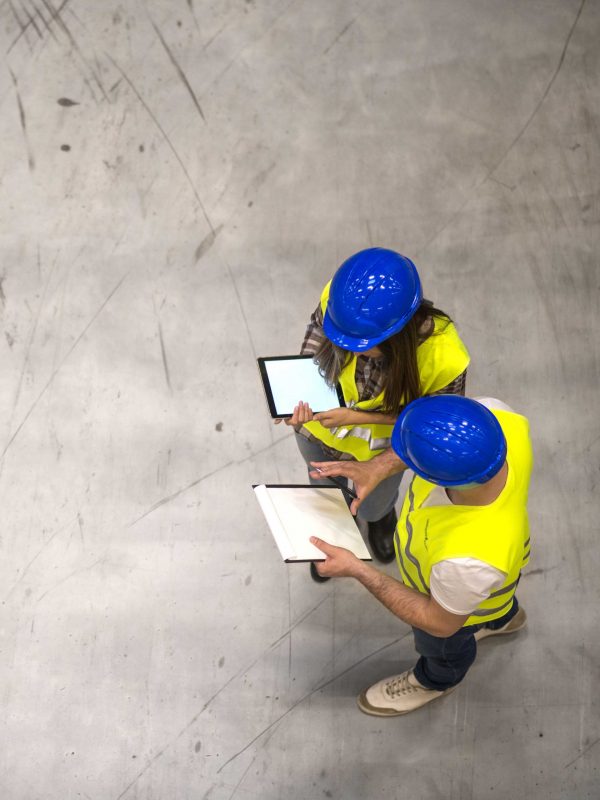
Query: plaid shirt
(370, 372)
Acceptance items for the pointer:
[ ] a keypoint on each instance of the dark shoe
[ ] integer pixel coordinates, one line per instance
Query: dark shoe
(315, 575)
(381, 537)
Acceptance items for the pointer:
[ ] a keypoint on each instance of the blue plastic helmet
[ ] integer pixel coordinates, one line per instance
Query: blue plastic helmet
(372, 296)
(450, 440)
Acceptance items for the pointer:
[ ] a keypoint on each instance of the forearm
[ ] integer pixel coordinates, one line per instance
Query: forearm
(407, 604)
(373, 418)
(386, 464)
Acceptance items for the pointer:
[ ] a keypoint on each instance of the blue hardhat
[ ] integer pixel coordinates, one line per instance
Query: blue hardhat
(450, 440)
(372, 296)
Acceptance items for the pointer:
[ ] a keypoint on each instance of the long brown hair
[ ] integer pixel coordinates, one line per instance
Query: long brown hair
(401, 384)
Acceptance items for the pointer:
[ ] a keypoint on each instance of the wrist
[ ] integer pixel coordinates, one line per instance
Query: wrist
(387, 463)
(364, 572)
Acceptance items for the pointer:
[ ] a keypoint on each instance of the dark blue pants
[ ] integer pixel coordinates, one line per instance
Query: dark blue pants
(444, 662)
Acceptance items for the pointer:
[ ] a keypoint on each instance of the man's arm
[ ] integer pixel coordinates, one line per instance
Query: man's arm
(416, 609)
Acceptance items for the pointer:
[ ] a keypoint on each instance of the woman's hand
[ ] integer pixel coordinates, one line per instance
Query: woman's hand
(302, 413)
(336, 417)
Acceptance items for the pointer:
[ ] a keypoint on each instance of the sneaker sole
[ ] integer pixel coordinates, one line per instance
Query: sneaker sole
(373, 711)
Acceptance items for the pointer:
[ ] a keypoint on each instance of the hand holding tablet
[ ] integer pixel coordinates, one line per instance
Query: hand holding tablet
(286, 379)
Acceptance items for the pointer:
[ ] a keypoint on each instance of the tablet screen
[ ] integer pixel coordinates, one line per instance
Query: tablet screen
(289, 379)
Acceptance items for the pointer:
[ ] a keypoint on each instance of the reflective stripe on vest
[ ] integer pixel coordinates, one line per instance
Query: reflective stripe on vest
(366, 434)
(440, 359)
(496, 534)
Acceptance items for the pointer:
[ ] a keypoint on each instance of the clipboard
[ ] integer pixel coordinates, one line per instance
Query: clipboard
(296, 512)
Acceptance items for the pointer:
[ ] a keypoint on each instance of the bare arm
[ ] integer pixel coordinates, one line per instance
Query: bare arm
(413, 607)
(354, 416)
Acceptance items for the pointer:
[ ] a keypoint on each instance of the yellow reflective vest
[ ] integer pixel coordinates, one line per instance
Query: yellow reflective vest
(497, 533)
(440, 359)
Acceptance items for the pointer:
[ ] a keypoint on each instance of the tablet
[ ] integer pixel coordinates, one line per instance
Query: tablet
(289, 379)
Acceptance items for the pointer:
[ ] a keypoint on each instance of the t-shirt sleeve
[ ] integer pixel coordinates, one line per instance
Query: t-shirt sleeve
(460, 584)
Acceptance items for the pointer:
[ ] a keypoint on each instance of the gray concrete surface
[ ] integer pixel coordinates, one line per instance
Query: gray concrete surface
(177, 182)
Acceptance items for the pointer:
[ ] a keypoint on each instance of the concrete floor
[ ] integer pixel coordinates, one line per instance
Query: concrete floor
(178, 181)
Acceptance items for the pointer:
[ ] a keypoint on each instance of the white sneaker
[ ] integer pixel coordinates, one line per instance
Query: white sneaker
(512, 626)
(399, 694)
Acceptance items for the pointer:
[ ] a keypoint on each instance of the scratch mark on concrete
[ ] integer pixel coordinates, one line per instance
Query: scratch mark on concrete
(581, 755)
(56, 17)
(68, 577)
(31, 21)
(244, 47)
(179, 70)
(165, 137)
(209, 702)
(190, 4)
(538, 571)
(45, 21)
(171, 497)
(30, 339)
(339, 36)
(162, 347)
(23, 121)
(500, 183)
(164, 356)
(204, 477)
(259, 179)
(25, 27)
(208, 43)
(547, 90)
(57, 370)
(207, 243)
(318, 688)
(27, 567)
(518, 136)
(20, 23)
(250, 765)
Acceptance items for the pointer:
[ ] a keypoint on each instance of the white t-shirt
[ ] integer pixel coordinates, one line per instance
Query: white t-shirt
(460, 584)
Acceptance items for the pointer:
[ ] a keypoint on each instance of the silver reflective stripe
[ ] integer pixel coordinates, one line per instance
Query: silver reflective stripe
(366, 434)
(380, 444)
(404, 572)
(504, 589)
(483, 612)
(414, 561)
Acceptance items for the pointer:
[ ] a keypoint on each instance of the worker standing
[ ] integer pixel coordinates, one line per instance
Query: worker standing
(375, 335)
(461, 541)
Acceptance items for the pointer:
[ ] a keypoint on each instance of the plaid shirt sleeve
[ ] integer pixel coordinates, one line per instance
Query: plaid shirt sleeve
(314, 336)
(458, 386)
